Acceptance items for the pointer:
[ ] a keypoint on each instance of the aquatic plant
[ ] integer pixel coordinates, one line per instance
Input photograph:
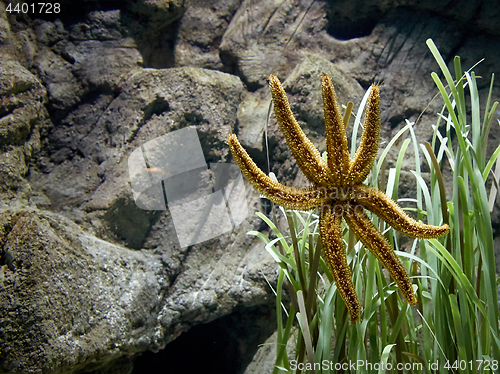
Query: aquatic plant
(454, 325)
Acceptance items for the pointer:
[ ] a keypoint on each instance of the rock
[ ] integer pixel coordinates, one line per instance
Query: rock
(303, 85)
(254, 48)
(21, 114)
(104, 63)
(49, 33)
(160, 12)
(56, 74)
(5, 34)
(200, 30)
(80, 93)
(100, 25)
(154, 24)
(170, 100)
(265, 358)
(355, 19)
(79, 295)
(232, 340)
(82, 296)
(151, 104)
(254, 113)
(15, 190)
(16, 80)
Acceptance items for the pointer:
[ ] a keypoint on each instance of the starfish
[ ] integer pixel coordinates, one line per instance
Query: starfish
(338, 190)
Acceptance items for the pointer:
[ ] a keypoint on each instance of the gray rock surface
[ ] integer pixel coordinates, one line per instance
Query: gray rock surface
(201, 29)
(89, 302)
(264, 359)
(88, 279)
(79, 295)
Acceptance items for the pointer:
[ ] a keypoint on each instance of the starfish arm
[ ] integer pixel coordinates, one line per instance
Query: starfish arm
(368, 234)
(335, 256)
(364, 157)
(383, 206)
(305, 153)
(289, 197)
(336, 139)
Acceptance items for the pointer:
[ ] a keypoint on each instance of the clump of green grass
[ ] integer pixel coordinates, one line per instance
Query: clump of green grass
(455, 325)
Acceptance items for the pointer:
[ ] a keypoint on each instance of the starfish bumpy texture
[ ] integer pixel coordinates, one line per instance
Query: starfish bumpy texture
(338, 190)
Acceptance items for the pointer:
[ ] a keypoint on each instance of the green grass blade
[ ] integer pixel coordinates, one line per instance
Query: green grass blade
(439, 177)
(304, 326)
(476, 121)
(385, 357)
(357, 122)
(490, 163)
(443, 67)
(462, 354)
(446, 258)
(391, 143)
(399, 162)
